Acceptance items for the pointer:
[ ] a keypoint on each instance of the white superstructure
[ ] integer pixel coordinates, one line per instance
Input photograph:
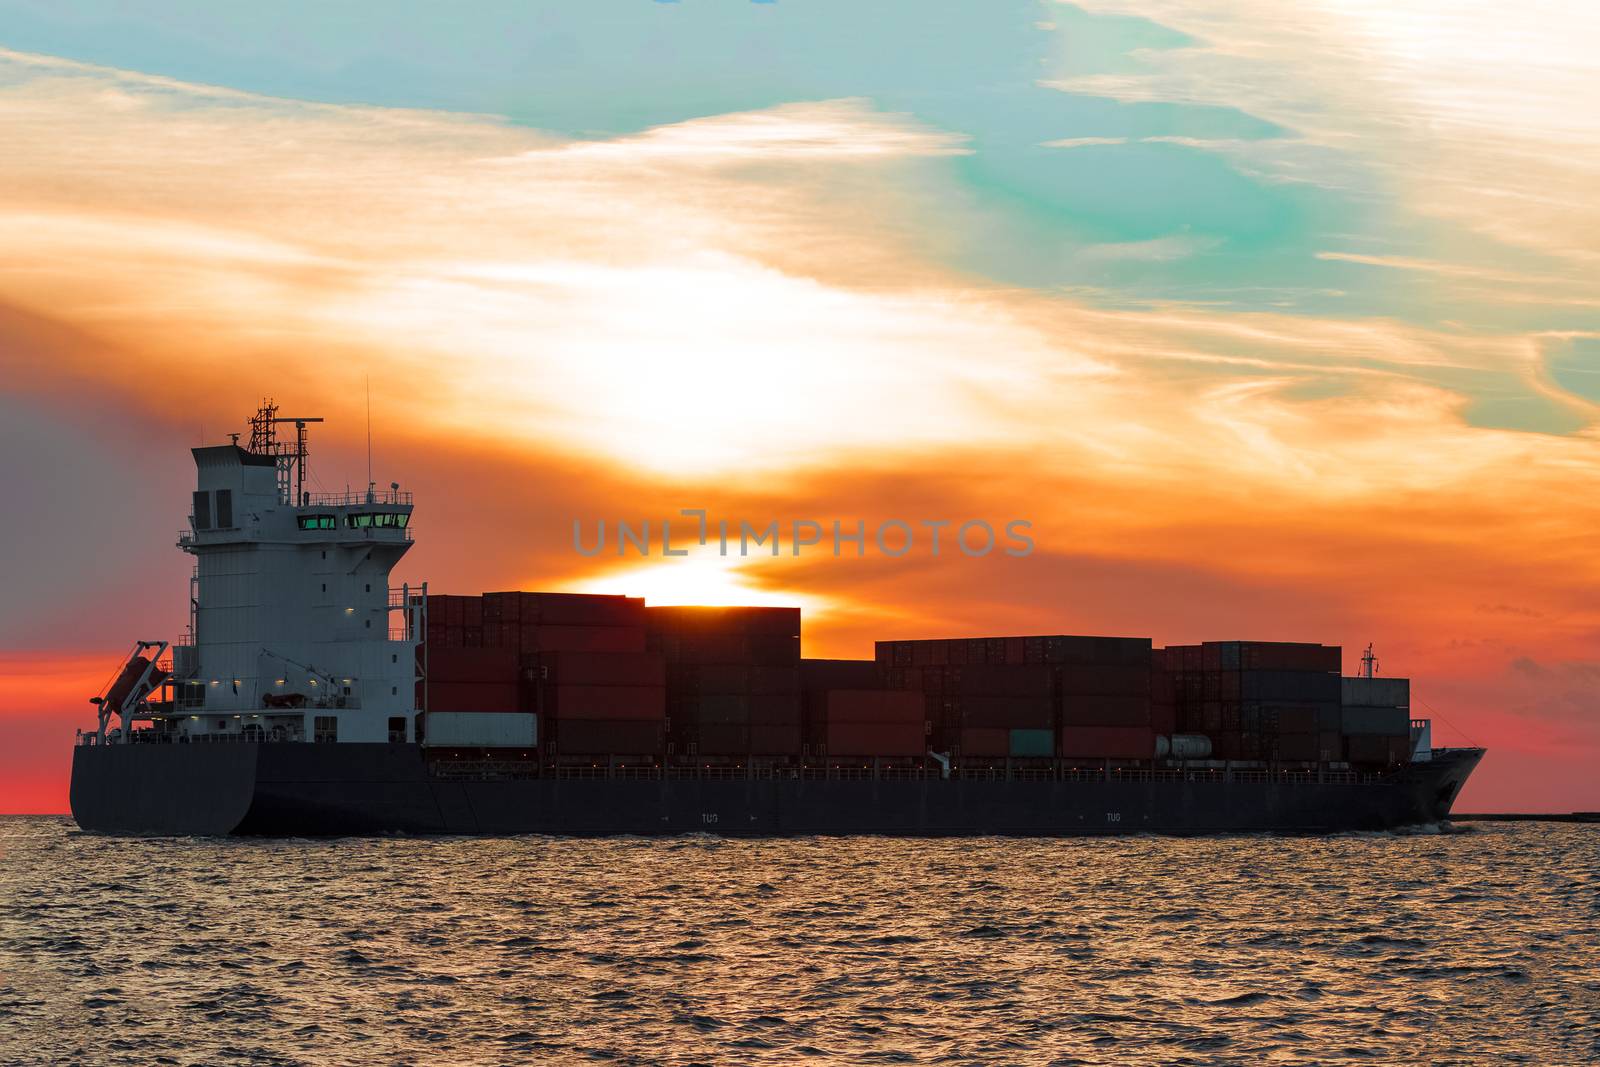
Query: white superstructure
(295, 631)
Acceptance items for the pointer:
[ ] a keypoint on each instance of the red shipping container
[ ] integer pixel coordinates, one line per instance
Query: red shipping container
(774, 709)
(603, 668)
(1007, 712)
(1105, 678)
(766, 678)
(723, 678)
(722, 739)
(472, 611)
(1016, 650)
(1164, 719)
(605, 702)
(769, 622)
(843, 673)
(473, 696)
(581, 609)
(874, 706)
(775, 740)
(1106, 742)
(765, 622)
(1290, 656)
(777, 651)
(897, 678)
(1296, 747)
(711, 648)
(540, 638)
(1005, 679)
(1079, 710)
(1295, 720)
(495, 604)
(601, 737)
(1237, 745)
(1374, 749)
(727, 708)
(448, 664)
(985, 741)
(863, 740)
(1367, 748)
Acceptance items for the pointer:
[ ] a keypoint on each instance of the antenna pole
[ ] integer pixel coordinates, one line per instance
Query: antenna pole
(369, 434)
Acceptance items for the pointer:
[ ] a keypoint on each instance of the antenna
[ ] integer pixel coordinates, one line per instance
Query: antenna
(369, 438)
(1369, 662)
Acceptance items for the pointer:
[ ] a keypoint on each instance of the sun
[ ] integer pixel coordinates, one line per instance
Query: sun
(703, 577)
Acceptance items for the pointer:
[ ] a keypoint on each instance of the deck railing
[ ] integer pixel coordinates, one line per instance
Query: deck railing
(489, 769)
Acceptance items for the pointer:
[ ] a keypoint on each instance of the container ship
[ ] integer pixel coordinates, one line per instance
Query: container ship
(311, 696)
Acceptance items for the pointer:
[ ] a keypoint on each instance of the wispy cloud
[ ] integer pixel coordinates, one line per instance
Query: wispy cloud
(1083, 142)
(1466, 112)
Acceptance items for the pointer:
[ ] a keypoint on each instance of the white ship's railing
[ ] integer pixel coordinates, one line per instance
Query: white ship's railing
(351, 498)
(187, 538)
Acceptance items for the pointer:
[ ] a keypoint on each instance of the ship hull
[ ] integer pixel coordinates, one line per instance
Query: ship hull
(343, 789)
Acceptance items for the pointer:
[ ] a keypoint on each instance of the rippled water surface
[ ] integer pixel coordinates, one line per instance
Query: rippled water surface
(1477, 946)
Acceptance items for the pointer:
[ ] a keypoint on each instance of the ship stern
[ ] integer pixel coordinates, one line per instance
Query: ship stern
(164, 790)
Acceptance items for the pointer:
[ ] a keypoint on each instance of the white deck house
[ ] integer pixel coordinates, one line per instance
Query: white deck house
(295, 633)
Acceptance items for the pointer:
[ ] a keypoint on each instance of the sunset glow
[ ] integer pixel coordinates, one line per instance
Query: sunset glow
(1276, 320)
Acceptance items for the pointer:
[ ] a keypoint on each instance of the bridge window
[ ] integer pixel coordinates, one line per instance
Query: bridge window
(202, 510)
(367, 519)
(318, 522)
(224, 509)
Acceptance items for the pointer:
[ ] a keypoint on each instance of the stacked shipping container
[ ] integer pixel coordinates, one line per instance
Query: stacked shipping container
(1029, 697)
(1375, 716)
(578, 661)
(733, 678)
(1256, 700)
(613, 679)
(602, 703)
(1106, 706)
(870, 723)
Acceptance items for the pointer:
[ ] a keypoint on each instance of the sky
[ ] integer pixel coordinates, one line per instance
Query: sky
(1276, 319)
